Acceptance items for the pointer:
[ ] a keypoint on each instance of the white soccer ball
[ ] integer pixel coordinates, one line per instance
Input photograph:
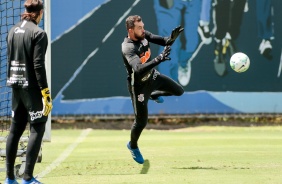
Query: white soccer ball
(239, 62)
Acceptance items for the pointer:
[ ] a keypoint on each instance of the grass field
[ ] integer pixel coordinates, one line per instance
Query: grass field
(208, 155)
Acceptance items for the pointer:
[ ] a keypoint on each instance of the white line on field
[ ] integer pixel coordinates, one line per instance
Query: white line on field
(65, 154)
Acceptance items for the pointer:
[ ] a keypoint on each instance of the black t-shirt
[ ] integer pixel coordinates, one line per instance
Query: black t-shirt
(27, 45)
(137, 55)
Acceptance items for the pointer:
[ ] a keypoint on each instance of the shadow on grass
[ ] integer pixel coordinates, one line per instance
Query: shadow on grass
(146, 167)
(197, 167)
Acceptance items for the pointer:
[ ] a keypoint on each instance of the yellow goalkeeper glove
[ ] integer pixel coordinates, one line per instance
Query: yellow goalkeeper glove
(47, 101)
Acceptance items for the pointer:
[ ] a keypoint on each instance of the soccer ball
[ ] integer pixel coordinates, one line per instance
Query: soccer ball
(239, 62)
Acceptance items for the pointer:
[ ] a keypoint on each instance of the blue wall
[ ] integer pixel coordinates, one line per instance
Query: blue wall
(88, 76)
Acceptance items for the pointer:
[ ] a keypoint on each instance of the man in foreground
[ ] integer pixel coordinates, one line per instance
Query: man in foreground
(31, 99)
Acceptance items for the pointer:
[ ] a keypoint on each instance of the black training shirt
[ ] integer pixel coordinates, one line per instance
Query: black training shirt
(137, 55)
(27, 45)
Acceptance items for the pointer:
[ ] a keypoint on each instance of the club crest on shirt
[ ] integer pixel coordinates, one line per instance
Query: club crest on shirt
(141, 98)
(144, 42)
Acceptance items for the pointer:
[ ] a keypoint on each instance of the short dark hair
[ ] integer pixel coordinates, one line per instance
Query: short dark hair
(33, 8)
(129, 22)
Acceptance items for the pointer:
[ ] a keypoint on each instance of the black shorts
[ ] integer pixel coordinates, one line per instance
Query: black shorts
(27, 105)
(159, 84)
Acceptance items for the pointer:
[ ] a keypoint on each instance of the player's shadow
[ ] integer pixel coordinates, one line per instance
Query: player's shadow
(146, 167)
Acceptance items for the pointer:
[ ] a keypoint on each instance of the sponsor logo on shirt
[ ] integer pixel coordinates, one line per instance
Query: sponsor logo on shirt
(19, 30)
(144, 57)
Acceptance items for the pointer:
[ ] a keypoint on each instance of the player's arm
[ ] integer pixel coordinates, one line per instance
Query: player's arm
(8, 47)
(174, 34)
(140, 68)
(156, 39)
(41, 43)
(137, 66)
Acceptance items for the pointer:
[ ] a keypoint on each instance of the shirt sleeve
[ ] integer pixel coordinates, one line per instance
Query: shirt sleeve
(41, 43)
(156, 39)
(135, 63)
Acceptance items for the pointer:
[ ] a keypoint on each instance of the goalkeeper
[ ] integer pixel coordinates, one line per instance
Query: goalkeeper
(31, 99)
(144, 82)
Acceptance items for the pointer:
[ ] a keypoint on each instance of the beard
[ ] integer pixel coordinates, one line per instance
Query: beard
(139, 37)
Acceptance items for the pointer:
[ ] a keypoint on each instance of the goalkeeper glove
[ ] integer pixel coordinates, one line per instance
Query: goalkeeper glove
(47, 101)
(174, 34)
(164, 55)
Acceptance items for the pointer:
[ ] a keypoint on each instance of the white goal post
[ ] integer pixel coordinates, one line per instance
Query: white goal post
(47, 28)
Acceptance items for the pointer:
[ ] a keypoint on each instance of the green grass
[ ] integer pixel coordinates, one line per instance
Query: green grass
(208, 155)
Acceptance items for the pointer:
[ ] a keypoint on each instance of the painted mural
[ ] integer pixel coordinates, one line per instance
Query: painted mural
(88, 76)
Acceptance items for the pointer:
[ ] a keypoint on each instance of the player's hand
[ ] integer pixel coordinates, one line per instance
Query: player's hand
(47, 101)
(174, 34)
(164, 55)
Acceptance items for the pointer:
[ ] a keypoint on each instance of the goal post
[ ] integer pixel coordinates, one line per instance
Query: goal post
(47, 28)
